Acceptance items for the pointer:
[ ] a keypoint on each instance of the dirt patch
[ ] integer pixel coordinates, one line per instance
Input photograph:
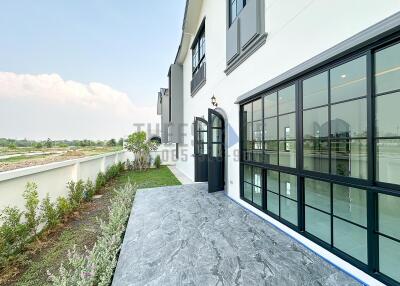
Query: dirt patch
(51, 248)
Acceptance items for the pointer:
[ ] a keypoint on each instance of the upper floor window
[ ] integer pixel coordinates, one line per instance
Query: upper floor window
(199, 50)
(235, 6)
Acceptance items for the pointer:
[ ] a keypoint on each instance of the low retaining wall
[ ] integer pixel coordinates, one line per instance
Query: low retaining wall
(52, 178)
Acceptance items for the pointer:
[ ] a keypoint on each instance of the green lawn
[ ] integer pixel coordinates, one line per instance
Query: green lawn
(151, 178)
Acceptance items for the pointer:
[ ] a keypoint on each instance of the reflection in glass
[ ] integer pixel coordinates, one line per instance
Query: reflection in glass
(318, 224)
(287, 126)
(349, 119)
(271, 128)
(288, 185)
(249, 136)
(287, 99)
(318, 194)
(289, 210)
(273, 181)
(257, 131)
(315, 91)
(350, 203)
(287, 154)
(271, 152)
(316, 155)
(217, 135)
(389, 215)
(349, 158)
(215, 121)
(389, 257)
(349, 80)
(387, 111)
(257, 197)
(216, 150)
(257, 176)
(388, 160)
(270, 105)
(315, 123)
(350, 239)
(257, 110)
(273, 203)
(387, 69)
(248, 191)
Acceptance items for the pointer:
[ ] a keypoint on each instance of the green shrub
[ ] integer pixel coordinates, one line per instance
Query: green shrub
(13, 233)
(63, 207)
(100, 181)
(90, 190)
(75, 193)
(31, 197)
(96, 267)
(50, 216)
(112, 172)
(157, 162)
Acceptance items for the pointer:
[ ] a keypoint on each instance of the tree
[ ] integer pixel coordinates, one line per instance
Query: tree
(112, 143)
(121, 142)
(138, 144)
(49, 143)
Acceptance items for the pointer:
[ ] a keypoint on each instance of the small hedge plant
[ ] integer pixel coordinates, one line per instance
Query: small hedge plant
(157, 162)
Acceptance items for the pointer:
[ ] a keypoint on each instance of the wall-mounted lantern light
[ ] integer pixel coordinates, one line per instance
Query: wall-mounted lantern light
(214, 101)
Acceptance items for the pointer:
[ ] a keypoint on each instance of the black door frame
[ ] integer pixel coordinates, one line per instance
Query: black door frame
(200, 159)
(216, 164)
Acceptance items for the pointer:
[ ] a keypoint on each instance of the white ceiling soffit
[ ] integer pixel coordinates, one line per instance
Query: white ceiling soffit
(189, 27)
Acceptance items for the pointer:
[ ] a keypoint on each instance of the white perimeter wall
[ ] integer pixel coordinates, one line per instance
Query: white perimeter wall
(52, 178)
(297, 30)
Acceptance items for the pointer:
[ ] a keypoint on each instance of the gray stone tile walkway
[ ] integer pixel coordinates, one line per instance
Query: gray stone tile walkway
(184, 236)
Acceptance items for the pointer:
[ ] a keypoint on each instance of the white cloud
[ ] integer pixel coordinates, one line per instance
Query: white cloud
(45, 105)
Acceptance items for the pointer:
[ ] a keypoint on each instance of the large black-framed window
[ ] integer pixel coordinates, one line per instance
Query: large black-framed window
(199, 50)
(341, 188)
(235, 7)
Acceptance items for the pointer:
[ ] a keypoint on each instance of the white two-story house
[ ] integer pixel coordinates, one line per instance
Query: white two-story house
(292, 109)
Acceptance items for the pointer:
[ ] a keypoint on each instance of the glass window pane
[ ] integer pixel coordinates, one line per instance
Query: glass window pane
(258, 155)
(387, 69)
(287, 126)
(247, 173)
(271, 152)
(315, 123)
(248, 191)
(257, 176)
(217, 135)
(257, 110)
(389, 215)
(271, 128)
(389, 257)
(215, 121)
(387, 119)
(249, 136)
(270, 105)
(287, 154)
(216, 150)
(349, 158)
(388, 160)
(349, 119)
(350, 239)
(316, 155)
(273, 181)
(257, 198)
(349, 80)
(273, 203)
(350, 203)
(318, 224)
(288, 186)
(257, 131)
(315, 90)
(289, 210)
(318, 194)
(287, 99)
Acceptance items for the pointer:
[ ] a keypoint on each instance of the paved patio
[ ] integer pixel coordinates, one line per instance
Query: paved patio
(184, 236)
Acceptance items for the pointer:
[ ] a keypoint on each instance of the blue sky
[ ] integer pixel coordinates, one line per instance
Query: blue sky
(126, 44)
(76, 69)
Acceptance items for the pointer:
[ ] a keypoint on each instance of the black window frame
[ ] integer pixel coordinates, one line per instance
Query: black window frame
(199, 44)
(370, 184)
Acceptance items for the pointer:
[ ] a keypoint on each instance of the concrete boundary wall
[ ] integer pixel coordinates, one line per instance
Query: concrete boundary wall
(52, 178)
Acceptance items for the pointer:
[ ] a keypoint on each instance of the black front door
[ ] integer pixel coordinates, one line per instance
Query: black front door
(216, 151)
(200, 150)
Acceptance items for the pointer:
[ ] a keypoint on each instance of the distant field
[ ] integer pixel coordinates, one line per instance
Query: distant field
(11, 159)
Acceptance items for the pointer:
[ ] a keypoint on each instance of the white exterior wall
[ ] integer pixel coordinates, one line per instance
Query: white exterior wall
(297, 31)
